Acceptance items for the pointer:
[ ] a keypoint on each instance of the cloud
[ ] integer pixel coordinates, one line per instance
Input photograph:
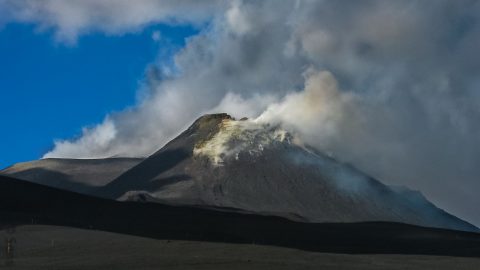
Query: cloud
(76, 17)
(389, 86)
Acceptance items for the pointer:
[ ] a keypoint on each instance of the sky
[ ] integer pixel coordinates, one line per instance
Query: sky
(50, 90)
(391, 87)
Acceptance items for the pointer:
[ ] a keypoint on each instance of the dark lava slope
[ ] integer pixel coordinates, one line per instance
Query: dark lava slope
(257, 168)
(23, 202)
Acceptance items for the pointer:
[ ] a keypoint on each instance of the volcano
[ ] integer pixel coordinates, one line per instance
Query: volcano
(246, 166)
(242, 166)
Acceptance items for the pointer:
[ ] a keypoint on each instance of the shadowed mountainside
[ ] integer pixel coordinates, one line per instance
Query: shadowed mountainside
(22, 202)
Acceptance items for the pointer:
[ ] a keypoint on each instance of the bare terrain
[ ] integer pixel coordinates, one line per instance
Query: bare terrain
(51, 247)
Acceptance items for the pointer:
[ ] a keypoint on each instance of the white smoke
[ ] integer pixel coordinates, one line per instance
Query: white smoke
(318, 112)
(94, 142)
(389, 86)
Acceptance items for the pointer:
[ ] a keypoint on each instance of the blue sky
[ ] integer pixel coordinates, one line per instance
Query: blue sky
(50, 90)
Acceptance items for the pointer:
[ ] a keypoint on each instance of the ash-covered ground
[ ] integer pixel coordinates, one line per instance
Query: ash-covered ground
(50, 247)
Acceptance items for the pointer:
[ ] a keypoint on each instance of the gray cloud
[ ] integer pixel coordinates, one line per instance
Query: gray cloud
(76, 17)
(390, 86)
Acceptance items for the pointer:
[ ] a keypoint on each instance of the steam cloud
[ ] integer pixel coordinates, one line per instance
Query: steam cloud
(389, 86)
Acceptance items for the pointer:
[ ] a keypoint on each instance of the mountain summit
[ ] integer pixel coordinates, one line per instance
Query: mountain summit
(245, 166)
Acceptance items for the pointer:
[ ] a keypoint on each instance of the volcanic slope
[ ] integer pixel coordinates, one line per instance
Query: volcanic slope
(78, 175)
(252, 167)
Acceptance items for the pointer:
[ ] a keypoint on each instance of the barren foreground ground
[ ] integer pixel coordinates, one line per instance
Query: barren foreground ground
(51, 247)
